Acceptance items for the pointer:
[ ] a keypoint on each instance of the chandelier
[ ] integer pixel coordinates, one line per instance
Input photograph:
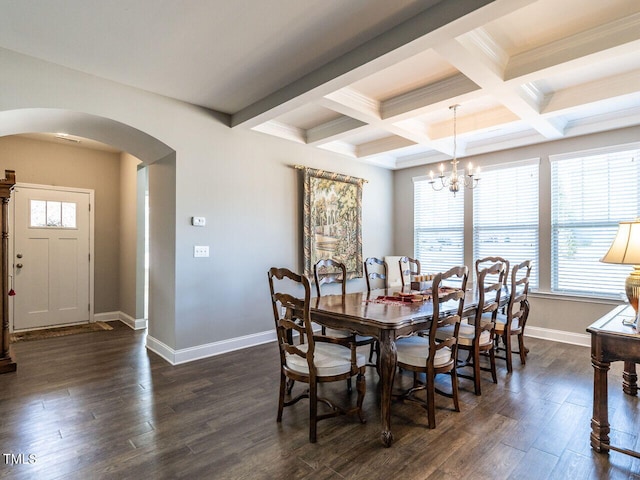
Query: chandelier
(456, 179)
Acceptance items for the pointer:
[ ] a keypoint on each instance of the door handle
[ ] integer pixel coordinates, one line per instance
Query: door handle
(19, 265)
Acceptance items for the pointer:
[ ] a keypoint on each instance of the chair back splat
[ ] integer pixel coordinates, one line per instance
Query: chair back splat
(409, 267)
(375, 270)
(308, 358)
(488, 262)
(328, 270)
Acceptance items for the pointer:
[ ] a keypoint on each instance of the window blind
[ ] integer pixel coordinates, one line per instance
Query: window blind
(506, 213)
(590, 194)
(438, 227)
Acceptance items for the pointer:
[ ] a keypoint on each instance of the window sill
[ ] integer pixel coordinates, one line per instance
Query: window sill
(575, 298)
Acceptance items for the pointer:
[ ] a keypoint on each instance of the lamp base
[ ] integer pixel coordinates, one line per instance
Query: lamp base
(632, 289)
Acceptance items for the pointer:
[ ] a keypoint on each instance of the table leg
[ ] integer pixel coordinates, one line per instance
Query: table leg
(630, 379)
(388, 358)
(600, 421)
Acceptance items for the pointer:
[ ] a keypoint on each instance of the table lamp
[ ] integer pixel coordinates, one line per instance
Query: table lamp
(625, 250)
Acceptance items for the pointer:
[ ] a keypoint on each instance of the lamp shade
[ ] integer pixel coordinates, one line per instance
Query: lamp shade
(625, 248)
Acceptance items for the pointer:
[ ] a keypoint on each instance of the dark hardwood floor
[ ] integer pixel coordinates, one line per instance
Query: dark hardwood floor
(98, 405)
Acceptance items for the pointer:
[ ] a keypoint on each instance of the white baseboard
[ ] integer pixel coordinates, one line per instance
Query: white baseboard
(185, 355)
(582, 339)
(176, 357)
(106, 316)
(129, 321)
(161, 349)
(133, 323)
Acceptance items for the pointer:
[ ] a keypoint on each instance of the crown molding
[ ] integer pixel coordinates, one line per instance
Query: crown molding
(356, 100)
(479, 41)
(282, 130)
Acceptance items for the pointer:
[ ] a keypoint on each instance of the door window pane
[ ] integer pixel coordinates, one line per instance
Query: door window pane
(68, 215)
(53, 214)
(38, 213)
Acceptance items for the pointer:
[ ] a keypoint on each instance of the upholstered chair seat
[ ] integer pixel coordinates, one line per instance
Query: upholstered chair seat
(414, 351)
(466, 335)
(501, 321)
(360, 339)
(329, 360)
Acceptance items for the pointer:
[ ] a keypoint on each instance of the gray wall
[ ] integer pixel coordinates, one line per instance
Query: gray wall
(554, 312)
(163, 320)
(241, 181)
(129, 237)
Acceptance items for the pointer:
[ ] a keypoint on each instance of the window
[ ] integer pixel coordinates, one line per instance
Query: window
(591, 193)
(505, 214)
(438, 227)
(51, 214)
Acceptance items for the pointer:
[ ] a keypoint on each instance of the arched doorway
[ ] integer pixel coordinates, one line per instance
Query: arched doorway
(149, 150)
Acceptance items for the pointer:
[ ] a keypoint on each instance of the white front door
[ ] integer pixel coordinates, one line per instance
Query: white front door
(50, 261)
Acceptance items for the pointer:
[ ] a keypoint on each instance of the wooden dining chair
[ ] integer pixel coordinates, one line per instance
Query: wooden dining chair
(309, 358)
(326, 271)
(375, 270)
(476, 336)
(409, 267)
(429, 355)
(513, 321)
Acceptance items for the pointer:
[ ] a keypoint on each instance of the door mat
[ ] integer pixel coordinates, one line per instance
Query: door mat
(60, 331)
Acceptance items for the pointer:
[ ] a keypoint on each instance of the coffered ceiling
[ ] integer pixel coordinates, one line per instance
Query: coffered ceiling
(370, 79)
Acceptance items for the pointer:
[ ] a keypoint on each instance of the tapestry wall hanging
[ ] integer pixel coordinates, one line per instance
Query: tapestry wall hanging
(332, 218)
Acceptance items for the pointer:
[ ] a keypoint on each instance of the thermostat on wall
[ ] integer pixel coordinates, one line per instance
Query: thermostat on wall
(198, 221)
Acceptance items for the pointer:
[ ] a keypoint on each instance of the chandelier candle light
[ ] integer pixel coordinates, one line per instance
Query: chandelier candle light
(455, 180)
(625, 250)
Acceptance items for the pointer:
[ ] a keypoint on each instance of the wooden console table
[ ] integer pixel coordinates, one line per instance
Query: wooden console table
(612, 341)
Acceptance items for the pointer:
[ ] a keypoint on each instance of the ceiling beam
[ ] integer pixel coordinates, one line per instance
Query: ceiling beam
(622, 35)
(424, 98)
(382, 145)
(443, 20)
(577, 97)
(334, 130)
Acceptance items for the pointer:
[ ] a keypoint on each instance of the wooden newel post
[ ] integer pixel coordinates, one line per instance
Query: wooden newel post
(6, 186)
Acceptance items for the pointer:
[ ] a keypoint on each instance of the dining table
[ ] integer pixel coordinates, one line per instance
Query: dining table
(376, 313)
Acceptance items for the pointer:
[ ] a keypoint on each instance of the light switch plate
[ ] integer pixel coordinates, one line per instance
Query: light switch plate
(201, 250)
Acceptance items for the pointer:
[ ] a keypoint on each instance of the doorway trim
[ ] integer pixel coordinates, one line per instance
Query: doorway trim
(12, 230)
